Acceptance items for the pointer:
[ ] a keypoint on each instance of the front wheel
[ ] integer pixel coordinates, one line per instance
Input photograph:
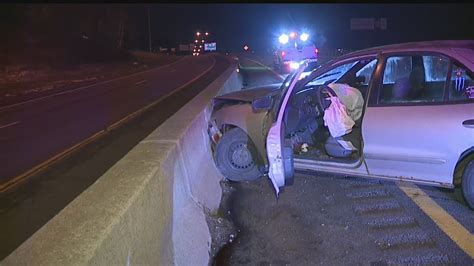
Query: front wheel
(468, 184)
(236, 156)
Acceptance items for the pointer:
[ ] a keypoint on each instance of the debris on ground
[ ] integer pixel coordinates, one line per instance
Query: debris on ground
(223, 230)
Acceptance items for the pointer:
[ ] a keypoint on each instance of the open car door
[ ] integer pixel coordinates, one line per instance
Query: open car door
(279, 152)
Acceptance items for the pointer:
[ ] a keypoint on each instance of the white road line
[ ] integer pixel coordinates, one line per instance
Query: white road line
(140, 82)
(268, 68)
(92, 85)
(8, 125)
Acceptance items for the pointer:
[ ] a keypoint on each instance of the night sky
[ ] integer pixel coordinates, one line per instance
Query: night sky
(233, 25)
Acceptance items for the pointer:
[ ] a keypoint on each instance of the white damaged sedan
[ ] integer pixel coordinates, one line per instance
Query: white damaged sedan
(416, 122)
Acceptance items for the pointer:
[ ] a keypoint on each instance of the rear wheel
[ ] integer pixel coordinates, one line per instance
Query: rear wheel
(468, 184)
(236, 156)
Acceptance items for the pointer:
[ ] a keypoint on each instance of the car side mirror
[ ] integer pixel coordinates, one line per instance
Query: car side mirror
(262, 104)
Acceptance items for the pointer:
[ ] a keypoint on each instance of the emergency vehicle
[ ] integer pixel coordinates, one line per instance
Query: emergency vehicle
(293, 48)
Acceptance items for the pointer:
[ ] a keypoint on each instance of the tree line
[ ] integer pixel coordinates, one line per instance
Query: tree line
(70, 33)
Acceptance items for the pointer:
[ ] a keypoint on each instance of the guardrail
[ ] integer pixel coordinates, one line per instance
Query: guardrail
(150, 207)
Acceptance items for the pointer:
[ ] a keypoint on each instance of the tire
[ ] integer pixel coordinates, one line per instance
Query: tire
(236, 156)
(468, 184)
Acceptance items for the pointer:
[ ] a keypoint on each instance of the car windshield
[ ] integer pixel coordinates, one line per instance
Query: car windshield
(289, 78)
(286, 83)
(283, 88)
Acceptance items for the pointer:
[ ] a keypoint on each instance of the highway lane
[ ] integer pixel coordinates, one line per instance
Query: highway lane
(33, 131)
(255, 73)
(27, 207)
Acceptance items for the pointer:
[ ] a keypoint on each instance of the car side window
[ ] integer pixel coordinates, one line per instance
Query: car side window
(365, 73)
(461, 85)
(414, 79)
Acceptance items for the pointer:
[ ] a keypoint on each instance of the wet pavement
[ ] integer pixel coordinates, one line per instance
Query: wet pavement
(334, 220)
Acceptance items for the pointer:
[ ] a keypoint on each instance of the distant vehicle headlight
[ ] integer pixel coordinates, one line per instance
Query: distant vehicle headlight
(304, 37)
(283, 38)
(294, 65)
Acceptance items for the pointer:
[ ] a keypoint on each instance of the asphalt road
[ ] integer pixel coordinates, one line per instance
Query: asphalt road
(50, 125)
(36, 130)
(326, 219)
(334, 220)
(255, 73)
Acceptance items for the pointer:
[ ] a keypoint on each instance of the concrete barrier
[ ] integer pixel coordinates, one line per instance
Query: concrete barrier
(150, 207)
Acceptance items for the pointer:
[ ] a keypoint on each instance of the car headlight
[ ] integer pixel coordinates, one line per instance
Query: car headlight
(304, 37)
(294, 65)
(283, 39)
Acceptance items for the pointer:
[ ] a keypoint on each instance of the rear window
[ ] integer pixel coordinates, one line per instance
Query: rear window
(414, 79)
(461, 85)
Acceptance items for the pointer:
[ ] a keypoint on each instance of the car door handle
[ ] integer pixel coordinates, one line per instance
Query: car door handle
(468, 123)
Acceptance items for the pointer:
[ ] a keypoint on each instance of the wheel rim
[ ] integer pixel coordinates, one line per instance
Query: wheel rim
(240, 156)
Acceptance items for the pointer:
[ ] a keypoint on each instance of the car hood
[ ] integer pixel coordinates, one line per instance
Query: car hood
(248, 95)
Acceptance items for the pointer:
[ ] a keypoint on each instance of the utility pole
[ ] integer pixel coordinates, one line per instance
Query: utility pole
(149, 29)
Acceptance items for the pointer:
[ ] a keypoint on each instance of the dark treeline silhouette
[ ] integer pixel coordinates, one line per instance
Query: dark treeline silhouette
(64, 34)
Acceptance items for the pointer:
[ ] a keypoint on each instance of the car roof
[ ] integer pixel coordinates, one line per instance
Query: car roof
(445, 44)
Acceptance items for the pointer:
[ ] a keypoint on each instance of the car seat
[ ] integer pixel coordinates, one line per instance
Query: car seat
(335, 149)
(332, 146)
(408, 88)
(417, 83)
(401, 89)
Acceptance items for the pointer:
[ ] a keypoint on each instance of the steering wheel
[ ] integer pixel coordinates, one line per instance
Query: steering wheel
(299, 109)
(321, 97)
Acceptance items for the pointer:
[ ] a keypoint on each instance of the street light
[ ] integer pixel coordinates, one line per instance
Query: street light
(196, 41)
(198, 33)
(207, 33)
(202, 41)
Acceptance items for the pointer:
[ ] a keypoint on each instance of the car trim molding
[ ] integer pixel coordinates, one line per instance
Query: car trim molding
(303, 168)
(403, 158)
(321, 163)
